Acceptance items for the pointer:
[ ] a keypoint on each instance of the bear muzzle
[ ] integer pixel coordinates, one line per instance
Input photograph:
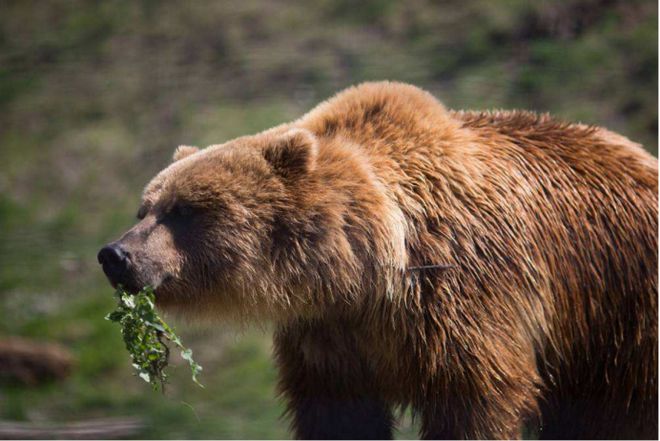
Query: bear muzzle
(116, 266)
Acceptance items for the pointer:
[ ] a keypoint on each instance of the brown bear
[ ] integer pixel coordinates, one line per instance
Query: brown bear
(487, 270)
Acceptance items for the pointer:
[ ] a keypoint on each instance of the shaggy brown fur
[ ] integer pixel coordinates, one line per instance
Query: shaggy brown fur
(544, 308)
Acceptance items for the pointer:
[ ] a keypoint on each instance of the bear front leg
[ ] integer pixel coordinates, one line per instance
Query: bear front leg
(469, 424)
(329, 390)
(349, 418)
(491, 399)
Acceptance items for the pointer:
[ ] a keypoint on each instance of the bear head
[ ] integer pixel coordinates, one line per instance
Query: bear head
(260, 225)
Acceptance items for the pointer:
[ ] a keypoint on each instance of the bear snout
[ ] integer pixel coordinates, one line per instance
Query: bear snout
(115, 263)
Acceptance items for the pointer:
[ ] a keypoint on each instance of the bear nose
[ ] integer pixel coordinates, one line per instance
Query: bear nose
(111, 255)
(114, 261)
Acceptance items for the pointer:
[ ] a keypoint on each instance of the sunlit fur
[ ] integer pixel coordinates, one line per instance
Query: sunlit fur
(547, 315)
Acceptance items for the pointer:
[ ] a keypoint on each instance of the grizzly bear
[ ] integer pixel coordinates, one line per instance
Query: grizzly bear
(489, 270)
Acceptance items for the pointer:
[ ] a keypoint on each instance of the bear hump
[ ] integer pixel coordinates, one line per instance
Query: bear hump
(372, 103)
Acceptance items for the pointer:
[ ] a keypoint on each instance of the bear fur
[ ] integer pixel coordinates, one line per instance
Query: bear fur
(488, 270)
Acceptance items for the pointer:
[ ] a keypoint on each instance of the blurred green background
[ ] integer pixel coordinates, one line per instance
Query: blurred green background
(95, 96)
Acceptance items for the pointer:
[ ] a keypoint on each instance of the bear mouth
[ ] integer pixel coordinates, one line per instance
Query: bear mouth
(132, 283)
(122, 279)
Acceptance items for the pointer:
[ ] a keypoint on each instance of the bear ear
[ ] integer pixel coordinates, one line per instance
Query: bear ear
(182, 151)
(293, 153)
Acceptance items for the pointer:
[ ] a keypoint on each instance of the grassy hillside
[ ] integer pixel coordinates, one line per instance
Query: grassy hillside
(95, 96)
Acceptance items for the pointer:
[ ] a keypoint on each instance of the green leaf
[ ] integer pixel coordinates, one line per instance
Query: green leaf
(144, 333)
(128, 300)
(156, 326)
(186, 354)
(115, 316)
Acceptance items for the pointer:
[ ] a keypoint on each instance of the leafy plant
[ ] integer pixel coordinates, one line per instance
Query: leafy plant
(144, 334)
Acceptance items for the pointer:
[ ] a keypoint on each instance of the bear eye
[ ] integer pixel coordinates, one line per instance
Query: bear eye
(142, 212)
(182, 210)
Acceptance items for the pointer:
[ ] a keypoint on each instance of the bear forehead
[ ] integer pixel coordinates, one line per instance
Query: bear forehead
(215, 165)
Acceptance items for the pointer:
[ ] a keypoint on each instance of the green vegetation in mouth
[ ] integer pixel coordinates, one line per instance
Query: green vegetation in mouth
(145, 335)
